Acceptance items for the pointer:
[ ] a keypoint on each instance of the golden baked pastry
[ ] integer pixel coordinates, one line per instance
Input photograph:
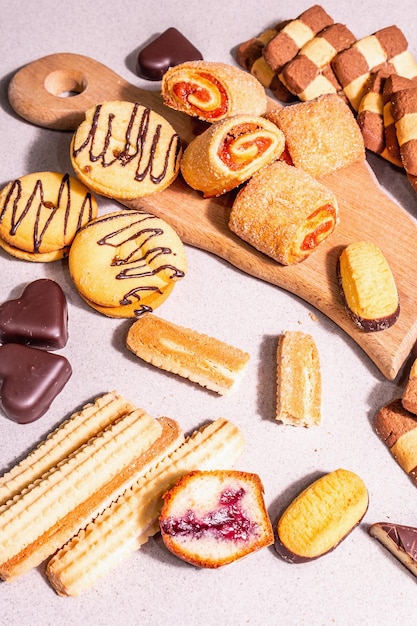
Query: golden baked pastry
(284, 212)
(321, 136)
(229, 152)
(124, 264)
(212, 91)
(211, 519)
(368, 287)
(298, 380)
(40, 213)
(205, 360)
(129, 522)
(124, 150)
(321, 516)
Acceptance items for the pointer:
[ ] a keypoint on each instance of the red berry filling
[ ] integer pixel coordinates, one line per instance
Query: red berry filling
(228, 522)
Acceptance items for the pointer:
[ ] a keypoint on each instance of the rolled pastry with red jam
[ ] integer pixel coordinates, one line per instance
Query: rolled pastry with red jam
(212, 91)
(284, 212)
(229, 152)
(368, 287)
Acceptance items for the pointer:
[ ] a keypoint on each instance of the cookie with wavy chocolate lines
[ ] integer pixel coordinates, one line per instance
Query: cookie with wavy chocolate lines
(41, 212)
(125, 264)
(124, 150)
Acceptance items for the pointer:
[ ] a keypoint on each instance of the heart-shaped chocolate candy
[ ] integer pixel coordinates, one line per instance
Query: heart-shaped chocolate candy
(39, 318)
(30, 379)
(169, 49)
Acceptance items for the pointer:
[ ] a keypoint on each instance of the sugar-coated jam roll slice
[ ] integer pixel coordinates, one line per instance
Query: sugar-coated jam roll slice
(284, 212)
(368, 287)
(212, 91)
(123, 263)
(321, 516)
(212, 518)
(124, 150)
(229, 152)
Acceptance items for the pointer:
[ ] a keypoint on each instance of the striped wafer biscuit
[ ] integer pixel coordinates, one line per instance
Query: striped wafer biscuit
(354, 65)
(133, 518)
(64, 440)
(249, 55)
(397, 428)
(309, 74)
(289, 40)
(298, 380)
(404, 113)
(71, 494)
(205, 360)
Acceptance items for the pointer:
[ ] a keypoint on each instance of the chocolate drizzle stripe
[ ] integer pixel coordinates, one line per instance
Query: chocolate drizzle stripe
(140, 119)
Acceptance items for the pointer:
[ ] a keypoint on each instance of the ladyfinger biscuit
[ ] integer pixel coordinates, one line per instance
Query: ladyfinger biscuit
(309, 74)
(63, 441)
(249, 55)
(43, 517)
(212, 91)
(367, 286)
(298, 380)
(202, 359)
(40, 213)
(321, 516)
(321, 136)
(409, 397)
(354, 65)
(128, 523)
(400, 540)
(397, 428)
(124, 150)
(284, 212)
(404, 113)
(229, 152)
(289, 40)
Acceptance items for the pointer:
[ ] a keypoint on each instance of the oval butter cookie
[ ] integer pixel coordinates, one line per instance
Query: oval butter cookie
(124, 150)
(124, 264)
(40, 214)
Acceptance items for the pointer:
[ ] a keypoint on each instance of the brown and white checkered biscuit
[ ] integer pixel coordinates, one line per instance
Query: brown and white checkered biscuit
(404, 114)
(249, 55)
(310, 73)
(354, 65)
(370, 113)
(289, 40)
(393, 83)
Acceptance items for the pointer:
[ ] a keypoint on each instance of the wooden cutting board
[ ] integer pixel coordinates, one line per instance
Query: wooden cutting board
(35, 93)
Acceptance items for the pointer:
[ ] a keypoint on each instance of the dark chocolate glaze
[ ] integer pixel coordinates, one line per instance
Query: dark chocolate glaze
(38, 318)
(45, 210)
(404, 537)
(132, 266)
(169, 49)
(140, 120)
(30, 379)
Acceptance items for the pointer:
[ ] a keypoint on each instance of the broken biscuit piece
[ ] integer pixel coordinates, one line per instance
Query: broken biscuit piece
(298, 380)
(321, 516)
(400, 540)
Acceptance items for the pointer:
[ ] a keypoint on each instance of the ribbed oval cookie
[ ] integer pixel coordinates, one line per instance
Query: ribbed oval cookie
(125, 261)
(40, 214)
(124, 150)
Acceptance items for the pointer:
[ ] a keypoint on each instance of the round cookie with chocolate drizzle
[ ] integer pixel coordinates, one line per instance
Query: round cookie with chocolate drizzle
(124, 150)
(125, 264)
(40, 214)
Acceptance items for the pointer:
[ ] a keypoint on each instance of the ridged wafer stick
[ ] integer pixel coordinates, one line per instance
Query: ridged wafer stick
(133, 518)
(72, 493)
(65, 439)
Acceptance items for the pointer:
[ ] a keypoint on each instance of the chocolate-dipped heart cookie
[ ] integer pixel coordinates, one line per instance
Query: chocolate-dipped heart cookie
(30, 379)
(38, 318)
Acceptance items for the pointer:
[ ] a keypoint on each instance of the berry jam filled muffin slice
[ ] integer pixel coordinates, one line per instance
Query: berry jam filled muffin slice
(212, 518)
